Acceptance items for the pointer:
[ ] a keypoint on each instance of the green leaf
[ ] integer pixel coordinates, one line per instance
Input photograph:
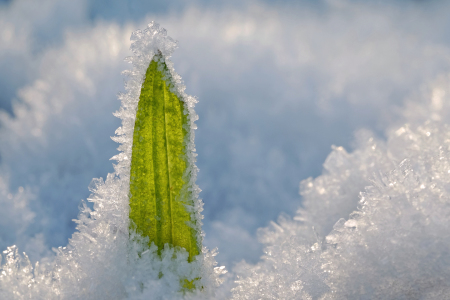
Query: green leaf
(159, 191)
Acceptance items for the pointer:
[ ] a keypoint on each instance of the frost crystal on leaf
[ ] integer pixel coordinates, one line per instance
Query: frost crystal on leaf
(103, 260)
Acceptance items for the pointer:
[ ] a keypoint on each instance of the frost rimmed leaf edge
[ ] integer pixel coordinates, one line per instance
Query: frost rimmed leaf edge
(145, 45)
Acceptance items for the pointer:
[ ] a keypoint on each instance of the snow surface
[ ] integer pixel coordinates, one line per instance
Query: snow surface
(277, 86)
(374, 225)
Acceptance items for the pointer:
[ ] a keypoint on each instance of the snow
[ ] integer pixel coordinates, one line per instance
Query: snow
(43, 153)
(277, 85)
(374, 225)
(315, 73)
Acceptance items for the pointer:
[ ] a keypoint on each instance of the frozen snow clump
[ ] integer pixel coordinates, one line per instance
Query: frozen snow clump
(374, 225)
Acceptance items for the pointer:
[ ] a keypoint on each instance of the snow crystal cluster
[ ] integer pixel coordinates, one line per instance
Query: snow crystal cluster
(103, 260)
(374, 225)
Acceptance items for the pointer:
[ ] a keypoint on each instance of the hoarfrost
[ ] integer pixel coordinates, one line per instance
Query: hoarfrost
(389, 241)
(374, 225)
(103, 260)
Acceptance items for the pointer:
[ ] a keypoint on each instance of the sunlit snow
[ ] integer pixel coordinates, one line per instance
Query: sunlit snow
(277, 85)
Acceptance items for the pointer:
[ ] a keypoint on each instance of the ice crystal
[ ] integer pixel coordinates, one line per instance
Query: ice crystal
(374, 225)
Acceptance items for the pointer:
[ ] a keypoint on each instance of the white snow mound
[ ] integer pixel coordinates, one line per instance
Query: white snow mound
(390, 241)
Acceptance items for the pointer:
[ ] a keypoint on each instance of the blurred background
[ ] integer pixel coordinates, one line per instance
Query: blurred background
(278, 83)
